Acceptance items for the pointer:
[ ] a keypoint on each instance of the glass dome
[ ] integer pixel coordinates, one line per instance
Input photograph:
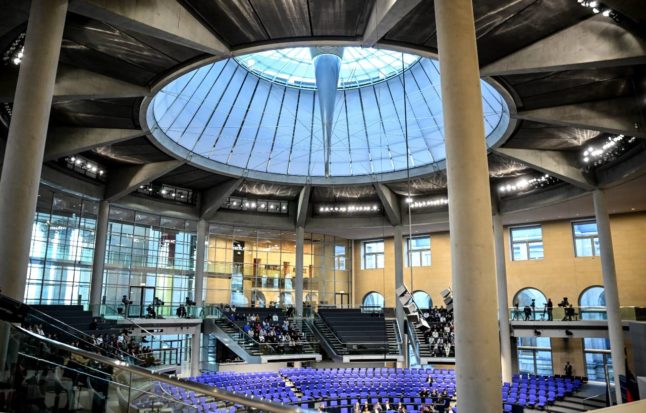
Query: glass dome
(248, 116)
(359, 66)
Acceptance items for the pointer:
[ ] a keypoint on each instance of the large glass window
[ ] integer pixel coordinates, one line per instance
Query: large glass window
(529, 304)
(535, 355)
(586, 239)
(373, 254)
(147, 250)
(418, 251)
(527, 243)
(373, 301)
(250, 266)
(62, 249)
(592, 304)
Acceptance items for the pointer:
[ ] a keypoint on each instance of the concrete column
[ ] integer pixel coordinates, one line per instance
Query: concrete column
(514, 356)
(200, 245)
(399, 275)
(26, 141)
(98, 261)
(473, 267)
(615, 329)
(23, 158)
(503, 304)
(298, 281)
(196, 344)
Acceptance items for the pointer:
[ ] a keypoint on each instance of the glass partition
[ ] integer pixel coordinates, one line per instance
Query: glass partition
(250, 267)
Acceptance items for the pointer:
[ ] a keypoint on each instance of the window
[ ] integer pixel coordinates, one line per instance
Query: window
(586, 239)
(535, 355)
(592, 304)
(373, 254)
(339, 257)
(418, 251)
(373, 301)
(423, 300)
(597, 357)
(527, 243)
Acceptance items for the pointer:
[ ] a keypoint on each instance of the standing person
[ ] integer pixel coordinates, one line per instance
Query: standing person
(528, 312)
(533, 305)
(549, 307)
(516, 313)
(568, 369)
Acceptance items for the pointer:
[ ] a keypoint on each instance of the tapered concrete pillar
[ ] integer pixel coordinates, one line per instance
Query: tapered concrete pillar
(98, 261)
(615, 329)
(503, 304)
(399, 275)
(298, 281)
(202, 233)
(23, 157)
(472, 252)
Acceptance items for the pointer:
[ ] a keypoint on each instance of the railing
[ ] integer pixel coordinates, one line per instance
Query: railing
(106, 381)
(414, 343)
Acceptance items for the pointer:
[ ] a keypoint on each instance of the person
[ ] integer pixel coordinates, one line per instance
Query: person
(181, 311)
(423, 392)
(150, 312)
(94, 324)
(568, 369)
(516, 313)
(401, 408)
(533, 306)
(550, 308)
(126, 304)
(357, 408)
(569, 312)
(387, 405)
(157, 303)
(429, 380)
(366, 408)
(377, 407)
(528, 312)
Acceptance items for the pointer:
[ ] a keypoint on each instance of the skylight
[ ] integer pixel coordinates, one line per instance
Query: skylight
(359, 66)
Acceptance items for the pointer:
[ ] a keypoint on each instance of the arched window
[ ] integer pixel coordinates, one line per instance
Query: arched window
(258, 298)
(423, 300)
(593, 303)
(526, 295)
(373, 300)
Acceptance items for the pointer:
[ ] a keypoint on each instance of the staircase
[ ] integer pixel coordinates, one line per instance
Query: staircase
(392, 334)
(333, 346)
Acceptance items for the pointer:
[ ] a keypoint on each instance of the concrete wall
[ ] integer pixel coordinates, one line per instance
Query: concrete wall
(568, 349)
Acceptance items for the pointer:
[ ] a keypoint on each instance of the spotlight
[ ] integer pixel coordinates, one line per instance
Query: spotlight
(569, 333)
(409, 200)
(606, 13)
(537, 333)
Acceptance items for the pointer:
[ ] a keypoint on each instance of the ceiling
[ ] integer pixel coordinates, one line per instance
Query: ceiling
(575, 79)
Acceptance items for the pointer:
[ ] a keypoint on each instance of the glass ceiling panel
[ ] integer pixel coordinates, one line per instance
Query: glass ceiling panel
(238, 113)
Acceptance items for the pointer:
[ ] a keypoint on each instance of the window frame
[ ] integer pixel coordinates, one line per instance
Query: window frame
(525, 244)
(409, 252)
(365, 254)
(589, 238)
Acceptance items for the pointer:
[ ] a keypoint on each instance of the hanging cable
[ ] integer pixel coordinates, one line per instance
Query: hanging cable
(409, 199)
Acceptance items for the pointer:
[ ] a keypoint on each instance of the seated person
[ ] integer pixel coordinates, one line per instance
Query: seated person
(377, 407)
(366, 407)
(424, 392)
(356, 408)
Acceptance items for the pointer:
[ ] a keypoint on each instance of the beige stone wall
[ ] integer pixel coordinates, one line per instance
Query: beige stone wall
(559, 274)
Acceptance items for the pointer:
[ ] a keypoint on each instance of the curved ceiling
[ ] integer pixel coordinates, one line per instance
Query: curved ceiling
(230, 119)
(576, 79)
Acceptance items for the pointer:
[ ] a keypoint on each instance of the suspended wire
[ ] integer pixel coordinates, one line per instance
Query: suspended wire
(409, 194)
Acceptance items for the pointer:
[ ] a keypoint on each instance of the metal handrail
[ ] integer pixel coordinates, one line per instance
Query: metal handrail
(82, 336)
(188, 385)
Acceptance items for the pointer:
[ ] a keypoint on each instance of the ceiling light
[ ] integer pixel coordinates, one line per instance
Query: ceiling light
(409, 200)
(606, 13)
(595, 10)
(163, 192)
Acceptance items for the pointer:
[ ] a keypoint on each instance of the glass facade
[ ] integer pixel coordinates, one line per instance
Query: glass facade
(148, 256)
(535, 355)
(423, 300)
(586, 239)
(373, 300)
(256, 267)
(527, 243)
(62, 249)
